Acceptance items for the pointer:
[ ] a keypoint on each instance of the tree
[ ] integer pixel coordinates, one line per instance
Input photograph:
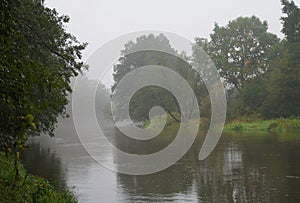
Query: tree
(284, 83)
(38, 59)
(250, 99)
(239, 50)
(132, 58)
(291, 23)
(201, 62)
(157, 51)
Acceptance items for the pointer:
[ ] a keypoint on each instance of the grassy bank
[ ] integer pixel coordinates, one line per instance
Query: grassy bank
(172, 126)
(26, 187)
(274, 125)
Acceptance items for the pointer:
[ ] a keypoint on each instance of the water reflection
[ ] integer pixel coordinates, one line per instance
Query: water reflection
(242, 168)
(44, 162)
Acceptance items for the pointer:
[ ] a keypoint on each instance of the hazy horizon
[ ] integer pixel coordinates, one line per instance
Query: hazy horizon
(98, 21)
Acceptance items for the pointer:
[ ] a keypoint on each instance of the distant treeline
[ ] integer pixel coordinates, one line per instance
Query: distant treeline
(261, 72)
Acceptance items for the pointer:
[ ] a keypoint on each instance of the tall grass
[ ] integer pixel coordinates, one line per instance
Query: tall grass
(275, 125)
(26, 187)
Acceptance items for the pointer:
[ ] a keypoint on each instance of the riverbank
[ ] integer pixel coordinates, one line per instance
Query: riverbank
(274, 125)
(26, 187)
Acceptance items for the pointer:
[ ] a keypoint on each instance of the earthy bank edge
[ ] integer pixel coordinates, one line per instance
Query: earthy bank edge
(274, 125)
(26, 187)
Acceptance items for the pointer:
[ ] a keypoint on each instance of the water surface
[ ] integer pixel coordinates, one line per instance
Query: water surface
(252, 167)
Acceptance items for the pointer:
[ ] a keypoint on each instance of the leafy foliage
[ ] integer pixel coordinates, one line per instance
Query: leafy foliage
(291, 23)
(239, 50)
(156, 51)
(274, 125)
(38, 59)
(284, 82)
(262, 72)
(27, 188)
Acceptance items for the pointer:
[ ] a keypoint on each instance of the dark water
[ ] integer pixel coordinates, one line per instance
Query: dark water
(243, 168)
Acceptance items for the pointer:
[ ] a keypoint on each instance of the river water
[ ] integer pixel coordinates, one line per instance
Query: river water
(248, 167)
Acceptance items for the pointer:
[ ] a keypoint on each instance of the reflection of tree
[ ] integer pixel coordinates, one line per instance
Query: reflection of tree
(175, 182)
(167, 183)
(270, 162)
(45, 163)
(226, 177)
(249, 169)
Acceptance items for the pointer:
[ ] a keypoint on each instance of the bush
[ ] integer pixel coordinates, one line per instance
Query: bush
(275, 125)
(26, 187)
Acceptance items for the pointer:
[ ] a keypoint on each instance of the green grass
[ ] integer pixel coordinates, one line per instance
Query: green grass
(275, 125)
(171, 128)
(169, 121)
(26, 187)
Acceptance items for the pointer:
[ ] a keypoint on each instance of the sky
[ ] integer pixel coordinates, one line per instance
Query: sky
(98, 21)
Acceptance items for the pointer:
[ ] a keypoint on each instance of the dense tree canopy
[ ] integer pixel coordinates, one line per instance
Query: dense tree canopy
(291, 22)
(38, 59)
(262, 73)
(239, 49)
(157, 51)
(150, 96)
(284, 80)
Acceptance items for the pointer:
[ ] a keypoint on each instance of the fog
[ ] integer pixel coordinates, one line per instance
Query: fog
(98, 21)
(150, 101)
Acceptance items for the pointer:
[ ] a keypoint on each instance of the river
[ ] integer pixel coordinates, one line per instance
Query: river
(244, 167)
